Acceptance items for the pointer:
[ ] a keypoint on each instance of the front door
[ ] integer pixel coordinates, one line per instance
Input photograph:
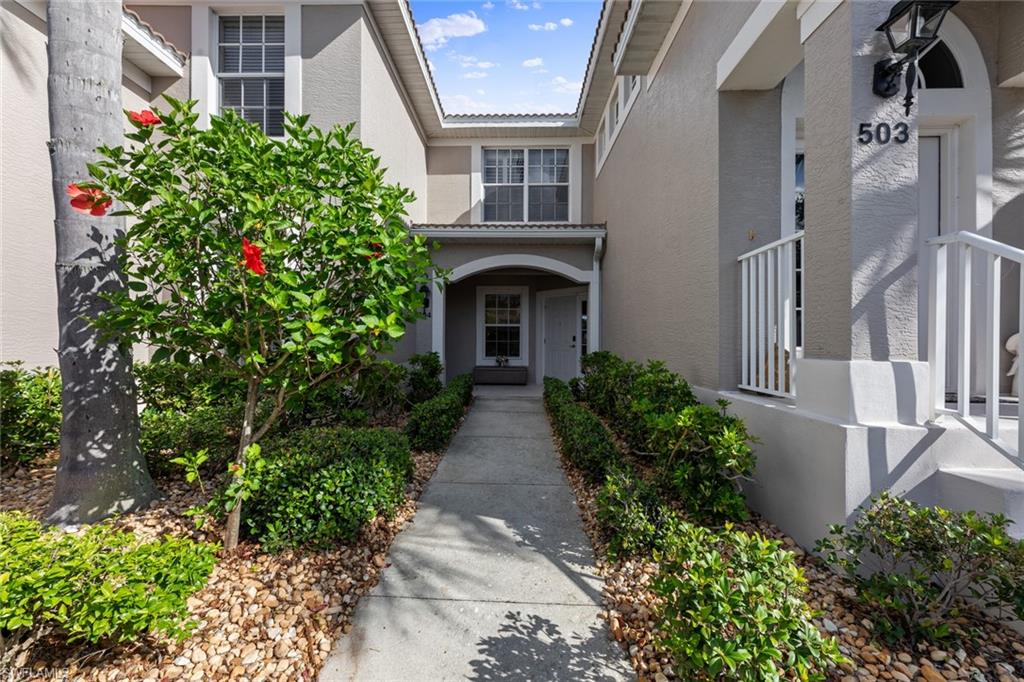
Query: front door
(561, 345)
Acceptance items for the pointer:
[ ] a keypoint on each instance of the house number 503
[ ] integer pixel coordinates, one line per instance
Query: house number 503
(883, 133)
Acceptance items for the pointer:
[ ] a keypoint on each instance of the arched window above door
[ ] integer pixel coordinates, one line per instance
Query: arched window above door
(938, 68)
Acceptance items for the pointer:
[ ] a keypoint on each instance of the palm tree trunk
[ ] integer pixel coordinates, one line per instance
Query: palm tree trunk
(101, 470)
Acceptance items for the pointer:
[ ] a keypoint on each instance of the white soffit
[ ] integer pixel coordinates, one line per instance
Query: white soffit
(764, 50)
(647, 24)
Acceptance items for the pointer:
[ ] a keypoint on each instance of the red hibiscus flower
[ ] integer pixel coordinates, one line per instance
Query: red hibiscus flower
(253, 257)
(144, 118)
(88, 200)
(378, 251)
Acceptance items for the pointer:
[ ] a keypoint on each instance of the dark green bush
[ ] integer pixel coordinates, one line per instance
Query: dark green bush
(915, 567)
(632, 513)
(431, 422)
(734, 607)
(100, 584)
(380, 389)
(424, 377)
(330, 403)
(168, 433)
(172, 385)
(654, 391)
(29, 412)
(703, 454)
(319, 486)
(585, 440)
(607, 384)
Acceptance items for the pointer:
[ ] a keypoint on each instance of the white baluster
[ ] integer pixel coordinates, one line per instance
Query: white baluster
(937, 329)
(963, 374)
(992, 345)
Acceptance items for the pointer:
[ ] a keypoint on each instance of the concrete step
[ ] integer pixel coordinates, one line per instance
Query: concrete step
(991, 490)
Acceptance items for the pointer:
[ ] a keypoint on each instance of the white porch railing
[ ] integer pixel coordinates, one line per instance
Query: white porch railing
(964, 250)
(768, 316)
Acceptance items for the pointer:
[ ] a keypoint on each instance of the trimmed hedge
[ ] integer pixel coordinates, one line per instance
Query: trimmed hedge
(424, 377)
(172, 385)
(168, 433)
(431, 422)
(319, 486)
(99, 584)
(585, 441)
(29, 412)
(632, 514)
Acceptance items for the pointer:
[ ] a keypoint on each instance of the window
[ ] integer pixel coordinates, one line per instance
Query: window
(526, 185)
(502, 325)
(251, 69)
(938, 68)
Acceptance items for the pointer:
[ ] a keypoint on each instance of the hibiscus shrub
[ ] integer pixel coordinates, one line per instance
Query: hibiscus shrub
(285, 262)
(29, 412)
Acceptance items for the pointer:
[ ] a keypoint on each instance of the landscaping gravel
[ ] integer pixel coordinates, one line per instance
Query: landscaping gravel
(261, 617)
(995, 652)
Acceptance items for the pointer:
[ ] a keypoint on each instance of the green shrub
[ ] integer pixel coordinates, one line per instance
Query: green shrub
(734, 607)
(424, 377)
(168, 433)
(703, 453)
(431, 422)
(607, 384)
(654, 391)
(632, 513)
(319, 486)
(29, 412)
(172, 385)
(99, 584)
(585, 440)
(380, 388)
(327, 404)
(914, 567)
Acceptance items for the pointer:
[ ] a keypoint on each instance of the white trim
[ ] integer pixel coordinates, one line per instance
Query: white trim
(792, 106)
(523, 359)
(476, 192)
(437, 313)
(293, 59)
(666, 44)
(476, 186)
(136, 75)
(747, 37)
(575, 183)
(542, 344)
(147, 41)
(594, 299)
(624, 109)
(569, 234)
(520, 260)
(812, 14)
(530, 141)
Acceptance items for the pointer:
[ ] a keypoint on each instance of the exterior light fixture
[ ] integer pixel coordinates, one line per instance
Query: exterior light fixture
(912, 26)
(425, 290)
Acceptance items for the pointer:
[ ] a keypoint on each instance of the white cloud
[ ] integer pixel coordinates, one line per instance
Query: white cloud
(565, 21)
(435, 32)
(563, 84)
(516, 4)
(472, 75)
(546, 26)
(464, 104)
(481, 91)
(488, 5)
(485, 65)
(533, 63)
(536, 5)
(467, 61)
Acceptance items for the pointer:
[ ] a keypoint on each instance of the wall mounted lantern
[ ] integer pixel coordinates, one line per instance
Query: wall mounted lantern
(912, 26)
(425, 290)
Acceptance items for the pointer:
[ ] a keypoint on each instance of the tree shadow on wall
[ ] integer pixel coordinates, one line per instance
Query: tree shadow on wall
(531, 647)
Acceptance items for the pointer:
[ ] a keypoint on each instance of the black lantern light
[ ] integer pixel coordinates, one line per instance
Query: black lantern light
(425, 290)
(912, 26)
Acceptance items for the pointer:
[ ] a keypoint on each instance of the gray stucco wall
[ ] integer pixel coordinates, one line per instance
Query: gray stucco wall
(448, 184)
(174, 22)
(28, 292)
(461, 324)
(331, 57)
(659, 193)
(451, 255)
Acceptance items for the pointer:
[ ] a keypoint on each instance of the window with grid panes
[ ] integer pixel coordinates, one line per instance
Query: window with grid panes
(526, 185)
(502, 325)
(251, 69)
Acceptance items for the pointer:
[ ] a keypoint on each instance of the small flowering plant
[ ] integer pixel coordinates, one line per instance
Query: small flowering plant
(286, 262)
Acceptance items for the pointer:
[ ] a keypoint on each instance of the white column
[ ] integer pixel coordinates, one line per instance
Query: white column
(437, 320)
(293, 59)
(202, 76)
(594, 300)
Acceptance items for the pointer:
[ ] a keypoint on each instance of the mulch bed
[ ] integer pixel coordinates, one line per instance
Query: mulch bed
(260, 617)
(990, 651)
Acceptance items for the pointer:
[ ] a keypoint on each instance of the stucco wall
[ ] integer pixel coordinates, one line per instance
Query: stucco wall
(1011, 40)
(28, 293)
(331, 56)
(658, 191)
(451, 255)
(174, 22)
(387, 126)
(448, 184)
(461, 323)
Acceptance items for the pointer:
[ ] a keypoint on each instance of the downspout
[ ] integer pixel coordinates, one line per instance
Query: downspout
(594, 296)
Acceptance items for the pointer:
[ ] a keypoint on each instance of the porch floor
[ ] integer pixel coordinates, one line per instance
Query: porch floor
(496, 391)
(495, 578)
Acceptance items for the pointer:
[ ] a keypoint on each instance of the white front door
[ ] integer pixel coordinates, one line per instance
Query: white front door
(561, 343)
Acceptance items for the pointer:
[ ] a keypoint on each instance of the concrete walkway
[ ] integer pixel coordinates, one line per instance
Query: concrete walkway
(494, 579)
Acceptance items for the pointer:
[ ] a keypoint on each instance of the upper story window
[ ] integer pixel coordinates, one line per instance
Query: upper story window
(526, 185)
(251, 69)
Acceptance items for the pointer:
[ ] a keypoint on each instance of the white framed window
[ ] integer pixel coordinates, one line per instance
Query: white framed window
(250, 68)
(503, 325)
(624, 94)
(525, 184)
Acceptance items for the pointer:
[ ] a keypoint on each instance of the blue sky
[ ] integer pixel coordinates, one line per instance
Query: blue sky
(507, 56)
